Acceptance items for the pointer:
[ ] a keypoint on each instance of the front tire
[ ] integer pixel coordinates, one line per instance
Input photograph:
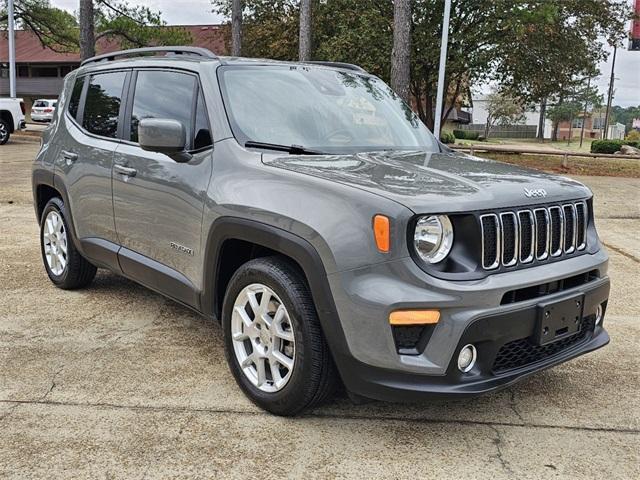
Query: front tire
(66, 267)
(4, 132)
(273, 341)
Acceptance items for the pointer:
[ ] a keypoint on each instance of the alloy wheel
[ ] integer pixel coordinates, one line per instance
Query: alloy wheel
(54, 240)
(4, 131)
(263, 338)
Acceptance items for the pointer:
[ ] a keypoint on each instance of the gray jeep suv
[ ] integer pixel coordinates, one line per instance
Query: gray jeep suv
(306, 208)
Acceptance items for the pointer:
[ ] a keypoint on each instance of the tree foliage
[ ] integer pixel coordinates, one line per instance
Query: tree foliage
(131, 25)
(534, 49)
(503, 109)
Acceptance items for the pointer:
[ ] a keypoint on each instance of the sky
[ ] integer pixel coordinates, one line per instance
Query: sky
(195, 12)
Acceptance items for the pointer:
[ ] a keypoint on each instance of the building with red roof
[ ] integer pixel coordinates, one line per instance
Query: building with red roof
(40, 71)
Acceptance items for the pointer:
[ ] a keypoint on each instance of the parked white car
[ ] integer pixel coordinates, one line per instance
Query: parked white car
(43, 110)
(11, 117)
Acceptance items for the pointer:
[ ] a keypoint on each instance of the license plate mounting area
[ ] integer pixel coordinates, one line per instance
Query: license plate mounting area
(558, 319)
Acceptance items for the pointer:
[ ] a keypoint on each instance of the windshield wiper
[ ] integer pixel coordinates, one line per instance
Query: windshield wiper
(293, 149)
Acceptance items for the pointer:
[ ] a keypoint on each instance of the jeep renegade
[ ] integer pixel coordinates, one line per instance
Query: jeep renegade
(307, 208)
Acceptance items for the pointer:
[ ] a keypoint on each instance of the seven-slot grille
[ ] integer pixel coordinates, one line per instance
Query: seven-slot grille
(522, 236)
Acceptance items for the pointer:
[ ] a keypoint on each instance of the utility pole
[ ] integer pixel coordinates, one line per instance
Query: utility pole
(610, 97)
(584, 116)
(443, 65)
(304, 49)
(236, 27)
(12, 49)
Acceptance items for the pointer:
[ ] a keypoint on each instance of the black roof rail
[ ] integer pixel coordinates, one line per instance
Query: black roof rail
(346, 66)
(194, 51)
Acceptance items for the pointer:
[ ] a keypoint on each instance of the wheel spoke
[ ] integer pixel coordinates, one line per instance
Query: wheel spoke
(282, 359)
(275, 372)
(253, 302)
(260, 370)
(264, 301)
(247, 361)
(246, 320)
(279, 331)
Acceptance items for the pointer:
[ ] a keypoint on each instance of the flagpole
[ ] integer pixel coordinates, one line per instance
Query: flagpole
(12, 50)
(441, 70)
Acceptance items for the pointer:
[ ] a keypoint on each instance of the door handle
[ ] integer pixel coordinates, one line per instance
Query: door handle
(122, 170)
(70, 157)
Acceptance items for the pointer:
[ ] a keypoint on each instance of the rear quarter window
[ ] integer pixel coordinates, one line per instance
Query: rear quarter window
(102, 105)
(74, 101)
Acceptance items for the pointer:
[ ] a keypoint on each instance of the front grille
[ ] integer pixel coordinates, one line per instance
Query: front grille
(523, 352)
(520, 237)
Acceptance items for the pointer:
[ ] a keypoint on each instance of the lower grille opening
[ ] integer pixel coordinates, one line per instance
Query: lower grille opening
(535, 291)
(412, 340)
(523, 352)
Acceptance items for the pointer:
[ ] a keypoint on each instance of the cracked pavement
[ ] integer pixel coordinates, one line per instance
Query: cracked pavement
(116, 381)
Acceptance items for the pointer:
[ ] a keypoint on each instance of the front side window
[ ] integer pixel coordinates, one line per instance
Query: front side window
(202, 133)
(162, 94)
(102, 106)
(74, 101)
(319, 108)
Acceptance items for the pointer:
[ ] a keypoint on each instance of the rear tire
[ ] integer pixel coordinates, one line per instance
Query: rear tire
(313, 376)
(64, 264)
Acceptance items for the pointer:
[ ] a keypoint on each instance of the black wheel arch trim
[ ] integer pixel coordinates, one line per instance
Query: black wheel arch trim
(289, 245)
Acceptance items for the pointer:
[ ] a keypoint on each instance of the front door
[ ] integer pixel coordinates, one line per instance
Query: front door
(158, 203)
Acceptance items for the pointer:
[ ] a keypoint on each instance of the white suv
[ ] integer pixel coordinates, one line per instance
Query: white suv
(43, 110)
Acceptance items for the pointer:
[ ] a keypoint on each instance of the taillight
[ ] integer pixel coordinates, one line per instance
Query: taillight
(48, 110)
(22, 108)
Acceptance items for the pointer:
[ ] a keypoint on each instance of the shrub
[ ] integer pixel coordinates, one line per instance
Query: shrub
(634, 136)
(611, 146)
(447, 137)
(466, 134)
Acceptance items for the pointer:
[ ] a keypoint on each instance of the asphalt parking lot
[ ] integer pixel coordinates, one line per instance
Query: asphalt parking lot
(116, 381)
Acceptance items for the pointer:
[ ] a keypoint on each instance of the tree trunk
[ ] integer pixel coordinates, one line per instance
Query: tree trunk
(305, 30)
(401, 53)
(87, 33)
(541, 120)
(487, 128)
(554, 134)
(236, 27)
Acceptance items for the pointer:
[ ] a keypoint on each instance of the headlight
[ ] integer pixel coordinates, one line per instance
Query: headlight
(433, 238)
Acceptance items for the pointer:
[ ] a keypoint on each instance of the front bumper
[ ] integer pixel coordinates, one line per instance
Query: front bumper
(471, 313)
(491, 335)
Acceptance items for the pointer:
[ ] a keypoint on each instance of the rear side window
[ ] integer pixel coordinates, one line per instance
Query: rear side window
(74, 102)
(102, 106)
(162, 94)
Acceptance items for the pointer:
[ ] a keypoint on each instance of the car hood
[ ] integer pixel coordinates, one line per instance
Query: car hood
(429, 182)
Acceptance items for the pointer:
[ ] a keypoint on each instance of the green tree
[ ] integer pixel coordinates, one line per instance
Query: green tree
(55, 28)
(530, 47)
(132, 26)
(503, 109)
(548, 44)
(626, 116)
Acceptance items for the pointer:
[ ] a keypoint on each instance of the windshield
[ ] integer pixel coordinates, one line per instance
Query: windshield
(320, 109)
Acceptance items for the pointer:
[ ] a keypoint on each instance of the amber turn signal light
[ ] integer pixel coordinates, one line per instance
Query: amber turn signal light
(414, 317)
(381, 232)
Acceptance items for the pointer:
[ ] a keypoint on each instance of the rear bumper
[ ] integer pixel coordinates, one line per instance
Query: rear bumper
(507, 352)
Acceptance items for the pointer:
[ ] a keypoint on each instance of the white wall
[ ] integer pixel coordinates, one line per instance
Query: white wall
(480, 114)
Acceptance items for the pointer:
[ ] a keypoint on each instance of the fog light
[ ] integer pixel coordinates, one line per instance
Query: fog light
(467, 358)
(599, 315)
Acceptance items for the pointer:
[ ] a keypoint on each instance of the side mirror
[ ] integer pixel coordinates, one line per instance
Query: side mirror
(163, 135)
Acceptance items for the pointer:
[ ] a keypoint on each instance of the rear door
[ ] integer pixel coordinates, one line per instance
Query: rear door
(85, 157)
(158, 203)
